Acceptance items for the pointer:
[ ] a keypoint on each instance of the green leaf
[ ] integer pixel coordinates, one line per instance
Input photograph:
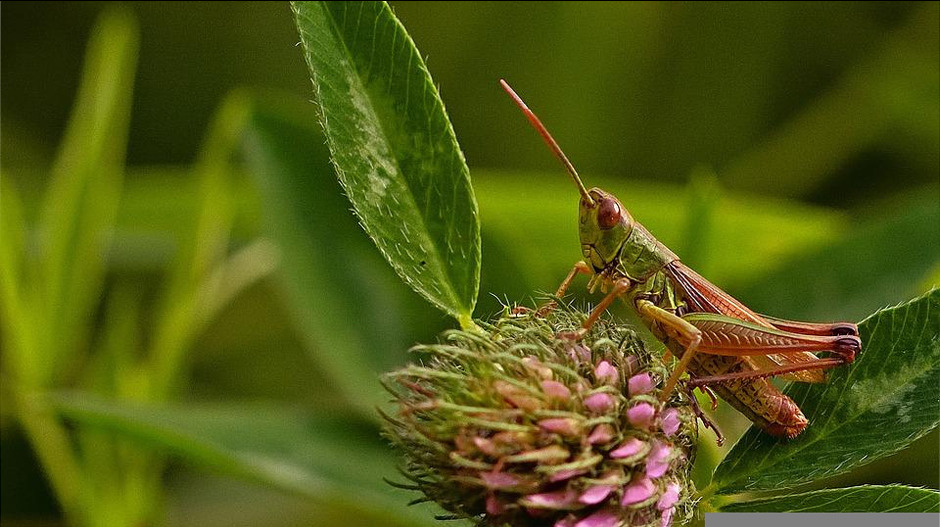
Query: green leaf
(867, 498)
(325, 457)
(394, 148)
(350, 307)
(873, 408)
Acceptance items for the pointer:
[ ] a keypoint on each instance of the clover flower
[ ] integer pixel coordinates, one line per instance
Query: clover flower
(512, 425)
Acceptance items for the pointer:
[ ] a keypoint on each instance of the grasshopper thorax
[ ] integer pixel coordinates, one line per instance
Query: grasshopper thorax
(604, 227)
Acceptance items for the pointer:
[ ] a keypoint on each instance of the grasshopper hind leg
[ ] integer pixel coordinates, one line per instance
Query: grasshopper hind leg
(835, 329)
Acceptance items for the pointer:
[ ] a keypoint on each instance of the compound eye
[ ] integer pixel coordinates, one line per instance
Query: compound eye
(608, 215)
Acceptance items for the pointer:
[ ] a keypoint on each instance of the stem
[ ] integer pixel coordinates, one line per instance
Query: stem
(709, 502)
(467, 323)
(706, 493)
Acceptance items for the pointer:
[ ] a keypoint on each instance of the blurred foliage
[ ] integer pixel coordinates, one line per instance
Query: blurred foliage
(332, 271)
(69, 322)
(812, 131)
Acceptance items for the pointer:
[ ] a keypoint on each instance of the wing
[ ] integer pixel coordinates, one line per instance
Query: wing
(705, 297)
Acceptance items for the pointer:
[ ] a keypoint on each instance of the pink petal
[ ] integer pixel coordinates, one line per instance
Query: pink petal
(567, 521)
(499, 480)
(669, 498)
(638, 491)
(606, 373)
(493, 505)
(558, 500)
(562, 475)
(517, 397)
(599, 403)
(556, 390)
(671, 422)
(667, 518)
(560, 425)
(579, 353)
(485, 445)
(602, 434)
(641, 415)
(655, 469)
(595, 494)
(536, 365)
(640, 384)
(601, 518)
(628, 448)
(658, 461)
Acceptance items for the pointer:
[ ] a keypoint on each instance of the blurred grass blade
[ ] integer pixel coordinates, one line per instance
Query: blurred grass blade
(866, 498)
(114, 370)
(204, 247)
(81, 203)
(394, 148)
(13, 275)
(884, 401)
(878, 263)
(351, 308)
(240, 271)
(328, 458)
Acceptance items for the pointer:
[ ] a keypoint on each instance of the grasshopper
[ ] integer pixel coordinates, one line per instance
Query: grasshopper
(723, 345)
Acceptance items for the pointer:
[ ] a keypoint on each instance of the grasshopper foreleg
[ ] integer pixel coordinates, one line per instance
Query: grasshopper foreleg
(579, 268)
(621, 286)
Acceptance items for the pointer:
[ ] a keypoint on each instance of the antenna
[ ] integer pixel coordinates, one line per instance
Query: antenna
(537, 123)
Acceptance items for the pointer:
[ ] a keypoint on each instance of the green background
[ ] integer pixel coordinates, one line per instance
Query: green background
(810, 133)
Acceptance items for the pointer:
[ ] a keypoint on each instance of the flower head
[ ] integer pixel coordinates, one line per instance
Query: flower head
(513, 425)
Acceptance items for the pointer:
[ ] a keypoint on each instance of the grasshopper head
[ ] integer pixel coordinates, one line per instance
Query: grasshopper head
(604, 225)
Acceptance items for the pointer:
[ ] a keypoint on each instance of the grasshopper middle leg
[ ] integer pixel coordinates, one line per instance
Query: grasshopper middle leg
(675, 327)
